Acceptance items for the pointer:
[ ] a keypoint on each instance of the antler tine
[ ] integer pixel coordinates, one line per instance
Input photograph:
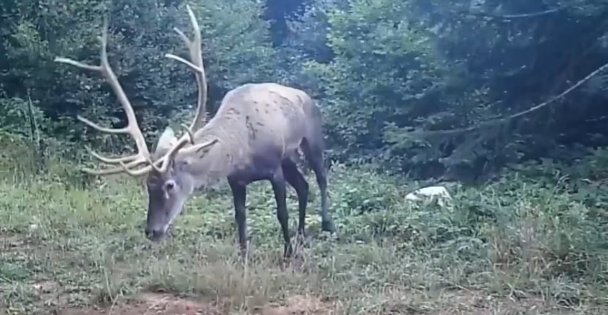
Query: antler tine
(178, 146)
(196, 64)
(123, 168)
(132, 128)
(132, 125)
(100, 128)
(168, 157)
(110, 160)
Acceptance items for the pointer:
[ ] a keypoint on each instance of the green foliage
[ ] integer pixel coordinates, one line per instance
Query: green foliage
(386, 72)
(307, 37)
(238, 43)
(15, 116)
(236, 50)
(384, 66)
(540, 238)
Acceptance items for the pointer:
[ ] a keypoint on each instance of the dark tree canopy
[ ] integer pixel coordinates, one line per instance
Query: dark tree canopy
(394, 77)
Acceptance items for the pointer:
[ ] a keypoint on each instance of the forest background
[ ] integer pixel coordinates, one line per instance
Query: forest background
(394, 78)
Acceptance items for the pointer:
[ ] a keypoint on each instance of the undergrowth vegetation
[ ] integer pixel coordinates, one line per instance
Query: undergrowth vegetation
(535, 241)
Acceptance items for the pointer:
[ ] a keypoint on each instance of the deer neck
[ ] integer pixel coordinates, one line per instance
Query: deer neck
(230, 152)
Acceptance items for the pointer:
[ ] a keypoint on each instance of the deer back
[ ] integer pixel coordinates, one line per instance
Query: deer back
(265, 116)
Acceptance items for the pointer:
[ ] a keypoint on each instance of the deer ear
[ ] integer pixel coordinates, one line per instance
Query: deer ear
(166, 141)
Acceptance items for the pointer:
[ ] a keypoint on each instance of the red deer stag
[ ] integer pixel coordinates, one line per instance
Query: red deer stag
(254, 136)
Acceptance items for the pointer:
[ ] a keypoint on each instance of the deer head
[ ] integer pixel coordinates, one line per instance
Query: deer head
(168, 181)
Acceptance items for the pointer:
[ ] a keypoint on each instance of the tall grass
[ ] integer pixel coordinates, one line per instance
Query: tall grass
(531, 244)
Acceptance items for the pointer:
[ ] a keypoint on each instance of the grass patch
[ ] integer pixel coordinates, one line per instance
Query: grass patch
(523, 244)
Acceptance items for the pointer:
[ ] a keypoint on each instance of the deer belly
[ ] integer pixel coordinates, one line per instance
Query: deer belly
(278, 140)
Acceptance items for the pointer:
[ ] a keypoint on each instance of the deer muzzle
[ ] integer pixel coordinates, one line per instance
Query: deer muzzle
(155, 234)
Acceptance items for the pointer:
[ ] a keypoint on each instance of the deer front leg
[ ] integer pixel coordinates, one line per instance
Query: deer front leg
(280, 195)
(239, 195)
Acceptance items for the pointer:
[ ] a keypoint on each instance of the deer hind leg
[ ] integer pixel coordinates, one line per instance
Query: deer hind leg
(295, 178)
(280, 195)
(313, 151)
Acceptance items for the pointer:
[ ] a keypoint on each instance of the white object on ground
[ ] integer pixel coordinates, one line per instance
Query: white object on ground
(432, 192)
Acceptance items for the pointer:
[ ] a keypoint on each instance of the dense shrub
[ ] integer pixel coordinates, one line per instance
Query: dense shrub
(236, 50)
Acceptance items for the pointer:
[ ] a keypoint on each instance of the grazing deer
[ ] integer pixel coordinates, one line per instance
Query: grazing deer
(254, 136)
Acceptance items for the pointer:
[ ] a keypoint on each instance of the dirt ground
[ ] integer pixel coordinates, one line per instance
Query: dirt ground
(393, 301)
(156, 303)
(455, 303)
(396, 301)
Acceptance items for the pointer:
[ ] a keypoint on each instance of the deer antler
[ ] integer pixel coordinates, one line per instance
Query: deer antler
(196, 64)
(132, 128)
(127, 164)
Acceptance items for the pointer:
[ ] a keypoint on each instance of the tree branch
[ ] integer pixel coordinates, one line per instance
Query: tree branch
(516, 115)
(514, 16)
